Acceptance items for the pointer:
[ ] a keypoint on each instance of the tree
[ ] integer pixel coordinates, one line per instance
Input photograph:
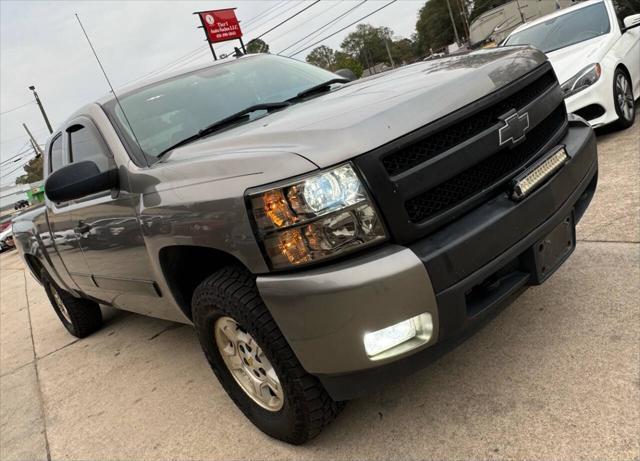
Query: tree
(433, 28)
(403, 51)
(332, 60)
(322, 56)
(257, 45)
(344, 61)
(34, 171)
(367, 44)
(627, 7)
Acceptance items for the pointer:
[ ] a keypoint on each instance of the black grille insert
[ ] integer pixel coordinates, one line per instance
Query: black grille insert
(487, 174)
(439, 142)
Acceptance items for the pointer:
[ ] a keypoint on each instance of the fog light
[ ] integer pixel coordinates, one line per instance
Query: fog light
(420, 327)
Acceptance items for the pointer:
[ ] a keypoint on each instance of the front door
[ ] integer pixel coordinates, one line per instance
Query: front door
(62, 224)
(110, 234)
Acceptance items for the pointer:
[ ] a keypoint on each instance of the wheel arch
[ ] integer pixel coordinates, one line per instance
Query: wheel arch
(621, 65)
(185, 266)
(35, 266)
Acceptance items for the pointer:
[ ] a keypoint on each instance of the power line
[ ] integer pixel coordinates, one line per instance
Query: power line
(20, 152)
(17, 107)
(4, 141)
(165, 66)
(225, 52)
(286, 20)
(300, 42)
(265, 12)
(15, 169)
(263, 18)
(346, 27)
(11, 139)
(272, 39)
(193, 54)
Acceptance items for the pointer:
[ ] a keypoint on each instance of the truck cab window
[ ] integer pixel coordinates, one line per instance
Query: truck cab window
(56, 159)
(85, 145)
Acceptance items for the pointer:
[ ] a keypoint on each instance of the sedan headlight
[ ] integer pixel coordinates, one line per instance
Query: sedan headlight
(321, 216)
(583, 79)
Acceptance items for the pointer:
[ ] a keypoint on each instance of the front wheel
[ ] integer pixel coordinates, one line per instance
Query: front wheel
(623, 99)
(254, 362)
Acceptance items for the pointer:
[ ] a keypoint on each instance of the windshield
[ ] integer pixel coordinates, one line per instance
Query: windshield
(565, 30)
(167, 112)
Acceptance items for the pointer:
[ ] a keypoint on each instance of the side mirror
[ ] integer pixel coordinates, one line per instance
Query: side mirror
(346, 73)
(79, 180)
(631, 21)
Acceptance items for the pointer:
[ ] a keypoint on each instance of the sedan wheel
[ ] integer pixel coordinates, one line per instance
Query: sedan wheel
(624, 100)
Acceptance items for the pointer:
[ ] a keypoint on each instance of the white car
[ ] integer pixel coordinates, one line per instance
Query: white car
(596, 56)
(6, 239)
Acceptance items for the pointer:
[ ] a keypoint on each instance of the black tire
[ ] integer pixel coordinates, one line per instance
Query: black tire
(307, 408)
(624, 119)
(84, 316)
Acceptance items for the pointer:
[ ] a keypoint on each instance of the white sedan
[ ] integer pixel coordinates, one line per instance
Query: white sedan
(596, 56)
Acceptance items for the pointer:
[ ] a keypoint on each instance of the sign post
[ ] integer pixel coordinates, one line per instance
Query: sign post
(220, 26)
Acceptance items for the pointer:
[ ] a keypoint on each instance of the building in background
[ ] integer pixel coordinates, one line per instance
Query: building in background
(10, 195)
(494, 25)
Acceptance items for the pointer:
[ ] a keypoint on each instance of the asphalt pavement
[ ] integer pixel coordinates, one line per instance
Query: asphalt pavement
(555, 376)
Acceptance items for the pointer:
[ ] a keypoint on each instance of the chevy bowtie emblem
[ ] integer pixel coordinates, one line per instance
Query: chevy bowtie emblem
(515, 126)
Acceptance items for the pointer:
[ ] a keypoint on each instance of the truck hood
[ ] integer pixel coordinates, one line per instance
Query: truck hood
(370, 112)
(568, 61)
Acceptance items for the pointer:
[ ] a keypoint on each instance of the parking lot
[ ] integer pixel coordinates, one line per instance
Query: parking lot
(554, 376)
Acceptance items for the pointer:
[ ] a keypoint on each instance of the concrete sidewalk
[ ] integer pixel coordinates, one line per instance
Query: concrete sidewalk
(554, 376)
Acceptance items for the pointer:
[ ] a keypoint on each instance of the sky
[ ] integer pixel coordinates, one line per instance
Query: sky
(41, 44)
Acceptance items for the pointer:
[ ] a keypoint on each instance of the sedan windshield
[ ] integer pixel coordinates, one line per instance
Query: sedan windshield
(164, 113)
(565, 30)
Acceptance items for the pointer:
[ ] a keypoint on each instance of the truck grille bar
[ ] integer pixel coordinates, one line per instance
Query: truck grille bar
(488, 173)
(439, 172)
(437, 143)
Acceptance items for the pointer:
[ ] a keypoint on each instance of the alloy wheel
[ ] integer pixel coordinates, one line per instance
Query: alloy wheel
(248, 364)
(60, 305)
(624, 97)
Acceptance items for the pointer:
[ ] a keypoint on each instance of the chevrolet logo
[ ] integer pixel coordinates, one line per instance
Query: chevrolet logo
(515, 126)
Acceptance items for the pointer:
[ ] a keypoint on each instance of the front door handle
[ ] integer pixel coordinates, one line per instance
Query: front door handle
(82, 228)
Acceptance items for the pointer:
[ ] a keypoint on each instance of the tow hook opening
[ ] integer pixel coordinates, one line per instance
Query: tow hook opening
(497, 285)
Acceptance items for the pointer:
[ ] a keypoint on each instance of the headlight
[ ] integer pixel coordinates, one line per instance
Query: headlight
(314, 218)
(583, 79)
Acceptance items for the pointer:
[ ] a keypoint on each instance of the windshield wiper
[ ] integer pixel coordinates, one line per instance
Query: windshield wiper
(324, 86)
(238, 116)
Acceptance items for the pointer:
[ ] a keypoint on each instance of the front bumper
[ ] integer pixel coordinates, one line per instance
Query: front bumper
(600, 94)
(324, 312)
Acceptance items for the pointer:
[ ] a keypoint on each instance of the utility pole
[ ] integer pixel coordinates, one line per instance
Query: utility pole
(36, 149)
(520, 11)
(465, 18)
(44, 114)
(386, 44)
(453, 23)
(34, 143)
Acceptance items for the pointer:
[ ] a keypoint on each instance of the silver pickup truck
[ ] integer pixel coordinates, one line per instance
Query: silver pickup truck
(324, 236)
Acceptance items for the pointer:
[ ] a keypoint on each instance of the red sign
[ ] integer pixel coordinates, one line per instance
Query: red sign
(220, 25)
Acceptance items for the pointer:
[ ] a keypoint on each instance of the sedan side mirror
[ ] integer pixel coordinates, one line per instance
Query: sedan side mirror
(631, 21)
(79, 180)
(346, 73)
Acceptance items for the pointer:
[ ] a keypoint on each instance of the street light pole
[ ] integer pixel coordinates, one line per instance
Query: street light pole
(44, 114)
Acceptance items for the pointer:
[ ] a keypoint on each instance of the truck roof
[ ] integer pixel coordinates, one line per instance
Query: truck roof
(167, 75)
